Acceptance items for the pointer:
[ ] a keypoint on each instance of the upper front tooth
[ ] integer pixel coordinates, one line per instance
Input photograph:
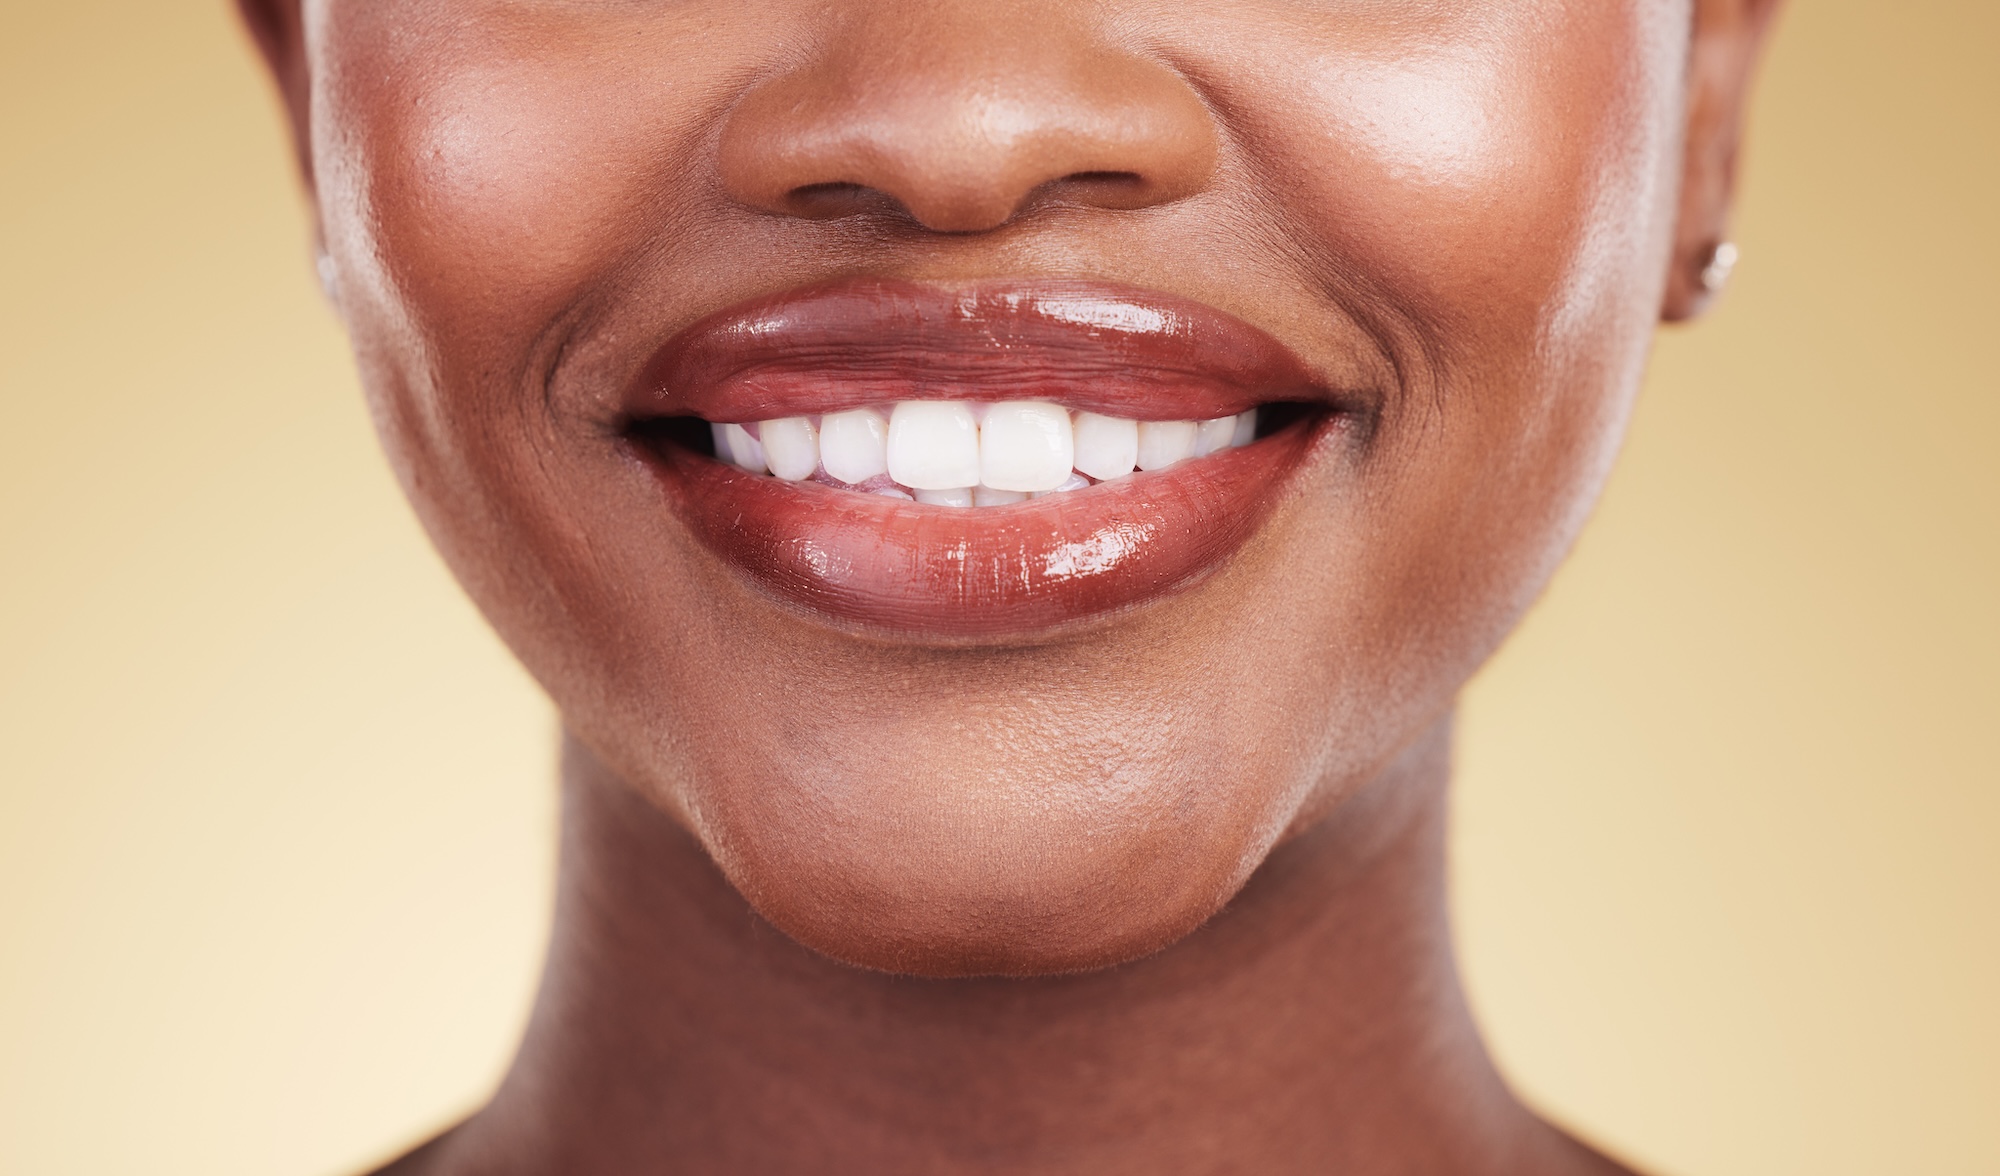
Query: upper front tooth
(791, 446)
(933, 445)
(1246, 428)
(1209, 436)
(853, 445)
(734, 444)
(1106, 447)
(1163, 443)
(1025, 445)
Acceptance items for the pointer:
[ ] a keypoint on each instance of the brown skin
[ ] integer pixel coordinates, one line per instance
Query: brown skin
(1475, 210)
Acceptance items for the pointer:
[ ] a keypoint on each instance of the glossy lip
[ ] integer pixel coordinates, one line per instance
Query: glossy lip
(987, 572)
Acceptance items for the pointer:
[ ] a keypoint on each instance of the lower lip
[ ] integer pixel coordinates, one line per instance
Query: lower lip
(984, 572)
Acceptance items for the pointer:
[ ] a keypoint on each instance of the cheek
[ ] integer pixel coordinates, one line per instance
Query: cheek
(486, 172)
(1496, 200)
(1463, 176)
(504, 164)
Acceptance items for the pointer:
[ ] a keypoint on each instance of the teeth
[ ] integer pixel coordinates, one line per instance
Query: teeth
(791, 446)
(961, 496)
(854, 446)
(991, 496)
(956, 454)
(1209, 436)
(1164, 443)
(1025, 446)
(1075, 481)
(1246, 428)
(733, 443)
(1106, 447)
(934, 444)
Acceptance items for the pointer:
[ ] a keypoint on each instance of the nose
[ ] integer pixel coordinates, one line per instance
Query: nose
(962, 114)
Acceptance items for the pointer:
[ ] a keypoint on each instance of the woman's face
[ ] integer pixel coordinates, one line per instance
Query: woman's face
(1057, 734)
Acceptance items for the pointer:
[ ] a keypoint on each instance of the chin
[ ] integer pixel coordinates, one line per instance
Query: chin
(997, 873)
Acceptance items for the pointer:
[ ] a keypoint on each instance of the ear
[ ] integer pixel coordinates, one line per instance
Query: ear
(278, 28)
(1728, 38)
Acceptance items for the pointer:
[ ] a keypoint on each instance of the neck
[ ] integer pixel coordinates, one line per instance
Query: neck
(1317, 1024)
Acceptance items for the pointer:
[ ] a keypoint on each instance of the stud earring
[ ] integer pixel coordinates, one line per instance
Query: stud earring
(1721, 261)
(329, 278)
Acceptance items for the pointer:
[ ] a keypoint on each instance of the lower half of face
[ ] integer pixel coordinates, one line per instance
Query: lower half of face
(988, 470)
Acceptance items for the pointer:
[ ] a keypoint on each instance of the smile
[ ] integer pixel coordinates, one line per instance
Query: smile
(959, 453)
(1118, 445)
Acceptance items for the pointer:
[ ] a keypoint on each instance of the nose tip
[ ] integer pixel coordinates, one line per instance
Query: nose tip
(963, 128)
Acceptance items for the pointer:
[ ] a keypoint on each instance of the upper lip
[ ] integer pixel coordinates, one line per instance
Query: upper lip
(1088, 345)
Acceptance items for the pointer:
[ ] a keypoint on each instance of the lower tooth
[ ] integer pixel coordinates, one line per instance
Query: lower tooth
(961, 497)
(988, 496)
(1075, 481)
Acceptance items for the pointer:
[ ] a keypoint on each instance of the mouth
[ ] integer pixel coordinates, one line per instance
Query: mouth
(976, 462)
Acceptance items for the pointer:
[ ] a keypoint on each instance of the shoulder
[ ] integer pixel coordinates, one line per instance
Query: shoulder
(426, 1159)
(1571, 1156)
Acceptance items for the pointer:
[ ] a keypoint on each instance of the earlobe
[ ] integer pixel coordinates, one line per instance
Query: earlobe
(1727, 40)
(278, 28)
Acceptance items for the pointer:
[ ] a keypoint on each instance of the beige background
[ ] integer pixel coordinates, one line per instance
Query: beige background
(274, 808)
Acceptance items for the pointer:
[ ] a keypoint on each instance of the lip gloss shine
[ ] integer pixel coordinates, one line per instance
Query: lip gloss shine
(993, 572)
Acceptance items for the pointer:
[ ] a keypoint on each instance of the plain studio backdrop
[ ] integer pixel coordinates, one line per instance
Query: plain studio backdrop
(276, 810)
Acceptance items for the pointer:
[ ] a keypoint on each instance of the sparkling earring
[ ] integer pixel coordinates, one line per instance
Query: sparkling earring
(1721, 261)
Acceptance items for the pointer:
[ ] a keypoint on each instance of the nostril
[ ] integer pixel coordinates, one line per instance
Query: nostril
(1104, 189)
(829, 201)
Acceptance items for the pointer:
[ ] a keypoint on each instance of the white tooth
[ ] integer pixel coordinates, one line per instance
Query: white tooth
(893, 492)
(961, 496)
(791, 446)
(1106, 447)
(1209, 436)
(989, 496)
(1246, 428)
(735, 445)
(1025, 445)
(853, 445)
(933, 444)
(1162, 443)
(1075, 481)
